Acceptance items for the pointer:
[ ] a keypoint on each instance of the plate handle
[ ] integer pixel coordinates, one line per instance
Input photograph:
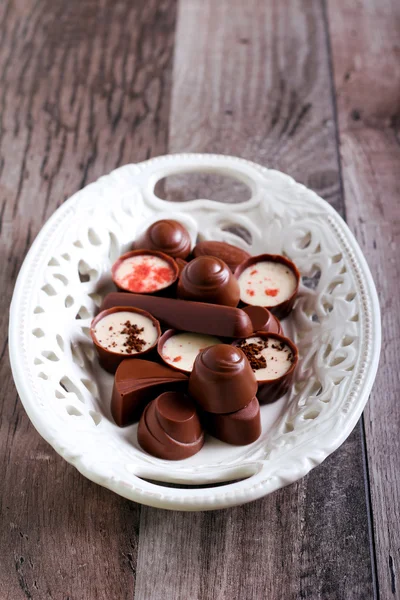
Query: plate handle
(176, 164)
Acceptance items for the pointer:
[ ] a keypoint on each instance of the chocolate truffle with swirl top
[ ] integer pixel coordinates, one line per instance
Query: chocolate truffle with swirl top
(222, 380)
(208, 279)
(170, 427)
(166, 236)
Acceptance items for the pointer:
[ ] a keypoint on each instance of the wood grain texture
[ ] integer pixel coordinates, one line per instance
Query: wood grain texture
(366, 53)
(252, 79)
(84, 87)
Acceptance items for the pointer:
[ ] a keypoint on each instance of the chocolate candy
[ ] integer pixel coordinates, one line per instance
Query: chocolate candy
(231, 255)
(144, 271)
(273, 359)
(208, 279)
(166, 236)
(178, 349)
(199, 317)
(263, 320)
(269, 280)
(122, 332)
(136, 383)
(222, 380)
(238, 428)
(170, 427)
(181, 264)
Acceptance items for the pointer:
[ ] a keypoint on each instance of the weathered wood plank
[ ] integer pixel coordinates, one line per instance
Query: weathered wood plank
(252, 79)
(85, 87)
(366, 53)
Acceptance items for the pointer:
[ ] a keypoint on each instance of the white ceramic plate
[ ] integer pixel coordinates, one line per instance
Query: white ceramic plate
(336, 325)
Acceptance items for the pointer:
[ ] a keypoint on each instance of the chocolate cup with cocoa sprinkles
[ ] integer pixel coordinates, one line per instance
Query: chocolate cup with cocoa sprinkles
(270, 390)
(238, 428)
(167, 236)
(283, 309)
(263, 320)
(110, 360)
(162, 291)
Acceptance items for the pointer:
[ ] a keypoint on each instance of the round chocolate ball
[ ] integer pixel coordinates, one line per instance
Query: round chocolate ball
(167, 236)
(208, 279)
(222, 380)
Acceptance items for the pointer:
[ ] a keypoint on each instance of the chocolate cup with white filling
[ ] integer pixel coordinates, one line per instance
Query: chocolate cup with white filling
(270, 390)
(138, 382)
(222, 380)
(167, 236)
(238, 428)
(208, 279)
(166, 336)
(163, 289)
(231, 255)
(170, 427)
(284, 308)
(263, 319)
(110, 360)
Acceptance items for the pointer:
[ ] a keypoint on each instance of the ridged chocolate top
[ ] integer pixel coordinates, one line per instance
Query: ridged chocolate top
(222, 380)
(168, 236)
(208, 279)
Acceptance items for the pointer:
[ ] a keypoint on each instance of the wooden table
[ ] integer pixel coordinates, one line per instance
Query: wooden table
(306, 86)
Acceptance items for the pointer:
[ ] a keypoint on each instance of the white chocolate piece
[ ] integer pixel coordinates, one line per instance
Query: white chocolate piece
(144, 273)
(108, 331)
(266, 283)
(180, 350)
(279, 358)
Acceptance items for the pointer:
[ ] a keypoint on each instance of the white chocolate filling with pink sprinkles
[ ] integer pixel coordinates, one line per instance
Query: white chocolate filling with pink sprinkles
(266, 284)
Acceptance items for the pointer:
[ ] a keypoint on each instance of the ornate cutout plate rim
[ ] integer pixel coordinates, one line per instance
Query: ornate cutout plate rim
(318, 419)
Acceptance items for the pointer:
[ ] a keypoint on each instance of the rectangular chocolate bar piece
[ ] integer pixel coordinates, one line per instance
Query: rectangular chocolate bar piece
(184, 315)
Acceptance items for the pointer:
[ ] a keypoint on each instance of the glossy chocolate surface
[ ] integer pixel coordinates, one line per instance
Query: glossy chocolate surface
(110, 360)
(199, 317)
(136, 383)
(181, 264)
(231, 255)
(222, 380)
(263, 319)
(283, 309)
(177, 416)
(167, 236)
(208, 279)
(238, 428)
(170, 427)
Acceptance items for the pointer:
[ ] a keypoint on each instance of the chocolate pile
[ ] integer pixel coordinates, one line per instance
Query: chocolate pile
(208, 321)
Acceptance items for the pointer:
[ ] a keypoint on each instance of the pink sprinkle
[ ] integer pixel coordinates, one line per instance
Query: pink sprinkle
(272, 292)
